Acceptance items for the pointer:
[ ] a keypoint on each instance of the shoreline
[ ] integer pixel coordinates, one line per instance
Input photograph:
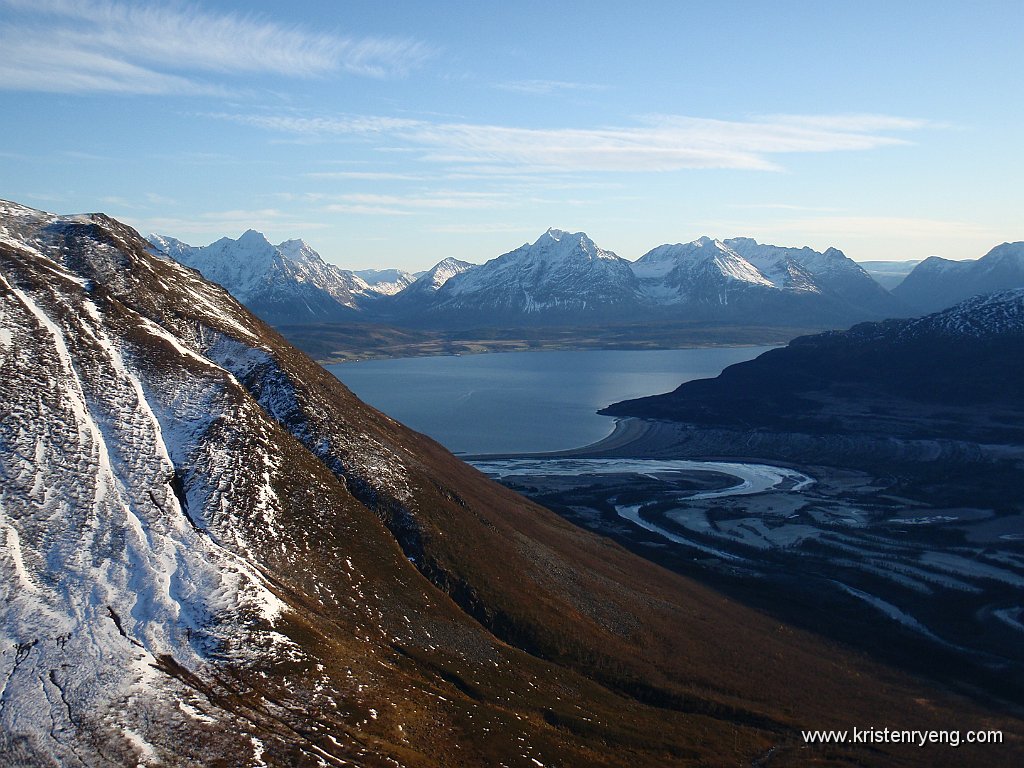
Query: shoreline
(625, 432)
(636, 438)
(471, 348)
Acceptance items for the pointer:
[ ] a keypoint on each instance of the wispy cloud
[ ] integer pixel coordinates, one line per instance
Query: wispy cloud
(658, 143)
(480, 229)
(102, 45)
(375, 204)
(365, 175)
(548, 87)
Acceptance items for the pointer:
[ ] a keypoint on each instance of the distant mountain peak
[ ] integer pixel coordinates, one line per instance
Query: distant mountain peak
(293, 246)
(937, 283)
(253, 237)
(286, 283)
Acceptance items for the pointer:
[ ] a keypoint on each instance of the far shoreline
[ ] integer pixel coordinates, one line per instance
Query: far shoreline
(512, 347)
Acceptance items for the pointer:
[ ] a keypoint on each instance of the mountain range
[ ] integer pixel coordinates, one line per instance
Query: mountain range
(561, 279)
(565, 280)
(288, 282)
(215, 555)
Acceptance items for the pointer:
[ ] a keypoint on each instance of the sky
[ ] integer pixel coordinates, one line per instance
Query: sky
(397, 134)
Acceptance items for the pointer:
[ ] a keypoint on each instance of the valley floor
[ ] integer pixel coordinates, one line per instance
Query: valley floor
(915, 556)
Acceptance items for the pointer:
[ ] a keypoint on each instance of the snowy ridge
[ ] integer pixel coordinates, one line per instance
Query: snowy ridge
(140, 501)
(88, 482)
(288, 282)
(986, 316)
(996, 317)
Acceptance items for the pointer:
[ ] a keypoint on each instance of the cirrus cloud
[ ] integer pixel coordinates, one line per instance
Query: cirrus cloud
(657, 143)
(106, 46)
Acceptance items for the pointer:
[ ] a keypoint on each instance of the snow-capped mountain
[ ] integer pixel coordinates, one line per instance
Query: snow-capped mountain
(562, 277)
(421, 291)
(705, 271)
(741, 280)
(829, 273)
(283, 284)
(567, 279)
(386, 282)
(937, 283)
(439, 274)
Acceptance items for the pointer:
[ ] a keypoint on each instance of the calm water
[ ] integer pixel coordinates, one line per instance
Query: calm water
(524, 401)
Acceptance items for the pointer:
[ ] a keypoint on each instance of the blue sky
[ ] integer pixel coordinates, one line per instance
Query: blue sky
(400, 133)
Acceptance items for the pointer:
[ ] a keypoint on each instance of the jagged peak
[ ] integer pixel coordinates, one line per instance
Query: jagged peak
(703, 246)
(448, 262)
(833, 253)
(563, 244)
(253, 237)
(560, 235)
(300, 252)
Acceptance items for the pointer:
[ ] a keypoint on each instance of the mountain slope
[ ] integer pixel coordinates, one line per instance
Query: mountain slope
(705, 271)
(740, 280)
(830, 272)
(418, 294)
(286, 283)
(882, 378)
(215, 555)
(938, 283)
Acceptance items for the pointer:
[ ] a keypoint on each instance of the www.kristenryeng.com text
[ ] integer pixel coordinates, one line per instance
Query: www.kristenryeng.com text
(917, 737)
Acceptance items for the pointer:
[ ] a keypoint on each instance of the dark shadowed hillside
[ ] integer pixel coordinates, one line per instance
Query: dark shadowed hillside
(955, 374)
